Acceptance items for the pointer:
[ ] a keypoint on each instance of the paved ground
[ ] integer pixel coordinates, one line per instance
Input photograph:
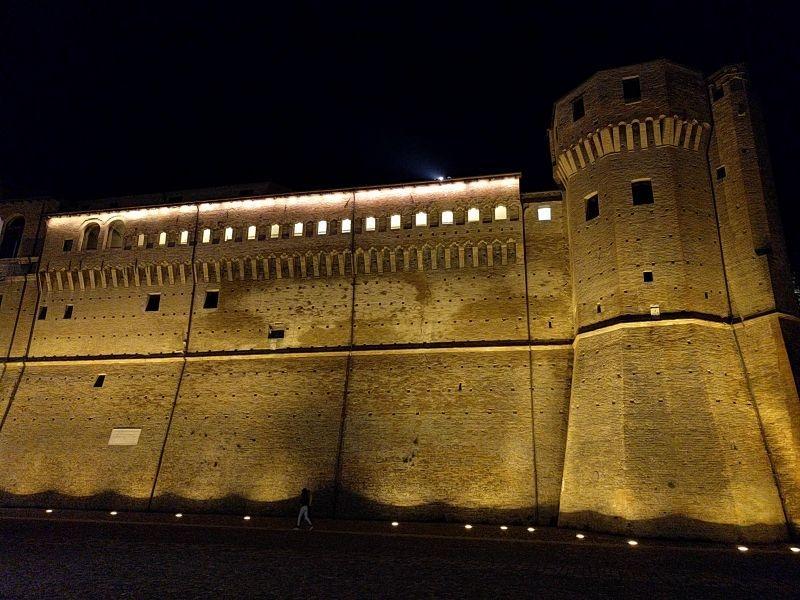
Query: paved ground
(98, 556)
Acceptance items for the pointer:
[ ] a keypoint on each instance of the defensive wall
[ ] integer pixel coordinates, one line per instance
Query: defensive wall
(621, 354)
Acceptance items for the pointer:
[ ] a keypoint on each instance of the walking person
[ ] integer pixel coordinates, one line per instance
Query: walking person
(305, 503)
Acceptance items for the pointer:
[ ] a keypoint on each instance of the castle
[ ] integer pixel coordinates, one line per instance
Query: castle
(622, 354)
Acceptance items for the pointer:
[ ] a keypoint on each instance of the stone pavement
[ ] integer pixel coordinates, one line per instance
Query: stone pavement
(68, 554)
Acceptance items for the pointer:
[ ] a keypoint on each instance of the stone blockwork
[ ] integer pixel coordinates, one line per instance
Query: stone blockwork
(619, 354)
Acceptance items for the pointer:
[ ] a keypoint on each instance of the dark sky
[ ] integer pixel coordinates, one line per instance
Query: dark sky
(109, 98)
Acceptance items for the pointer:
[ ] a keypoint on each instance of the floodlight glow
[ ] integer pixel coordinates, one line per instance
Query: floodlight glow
(794, 549)
(742, 548)
(440, 178)
(395, 523)
(531, 529)
(580, 536)
(633, 543)
(49, 510)
(178, 515)
(113, 513)
(503, 527)
(467, 526)
(246, 517)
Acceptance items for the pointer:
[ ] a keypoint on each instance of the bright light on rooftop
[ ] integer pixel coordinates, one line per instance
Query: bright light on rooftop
(440, 178)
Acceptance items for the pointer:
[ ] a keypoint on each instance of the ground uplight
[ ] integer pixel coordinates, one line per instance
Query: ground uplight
(742, 548)
(633, 543)
(531, 529)
(113, 513)
(503, 527)
(580, 536)
(246, 517)
(49, 510)
(178, 515)
(395, 523)
(467, 526)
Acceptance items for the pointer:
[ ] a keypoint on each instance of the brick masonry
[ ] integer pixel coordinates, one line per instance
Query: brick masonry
(431, 351)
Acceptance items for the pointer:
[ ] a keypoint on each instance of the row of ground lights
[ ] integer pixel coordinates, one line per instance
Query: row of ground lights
(579, 536)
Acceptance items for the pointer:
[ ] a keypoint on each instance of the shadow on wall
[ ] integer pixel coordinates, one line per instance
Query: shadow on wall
(674, 526)
(351, 506)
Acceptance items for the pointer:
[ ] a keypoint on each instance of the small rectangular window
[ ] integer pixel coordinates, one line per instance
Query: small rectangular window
(544, 213)
(642, 191)
(141, 239)
(1, 300)
(42, 313)
(276, 333)
(577, 108)
(717, 93)
(647, 276)
(153, 302)
(346, 225)
(298, 229)
(322, 228)
(447, 217)
(592, 207)
(101, 379)
(369, 224)
(631, 89)
(721, 173)
(184, 237)
(68, 245)
(274, 231)
(206, 236)
(212, 299)
(68, 311)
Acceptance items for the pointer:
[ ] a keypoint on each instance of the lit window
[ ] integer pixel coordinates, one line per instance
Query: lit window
(274, 231)
(346, 225)
(370, 224)
(184, 237)
(206, 236)
(162, 238)
(395, 222)
(141, 240)
(447, 217)
(298, 229)
(322, 228)
(421, 219)
(473, 215)
(251, 232)
(500, 213)
(228, 234)
(543, 213)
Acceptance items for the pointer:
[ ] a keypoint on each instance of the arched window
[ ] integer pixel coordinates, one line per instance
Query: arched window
(251, 232)
(274, 231)
(184, 237)
(447, 217)
(473, 215)
(206, 236)
(162, 238)
(90, 237)
(228, 234)
(298, 229)
(370, 224)
(12, 238)
(322, 228)
(421, 219)
(116, 231)
(346, 225)
(500, 213)
(395, 222)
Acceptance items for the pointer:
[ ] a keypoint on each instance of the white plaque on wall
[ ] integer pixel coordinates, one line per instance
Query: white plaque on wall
(124, 436)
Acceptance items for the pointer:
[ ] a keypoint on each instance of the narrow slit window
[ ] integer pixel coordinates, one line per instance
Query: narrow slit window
(578, 109)
(68, 311)
(162, 238)
(322, 228)
(101, 379)
(274, 231)
(642, 191)
(251, 232)
(298, 229)
(544, 213)
(369, 224)
(631, 89)
(228, 234)
(500, 213)
(153, 302)
(346, 225)
(647, 276)
(206, 236)
(447, 217)
(42, 313)
(421, 219)
(599, 308)
(721, 173)
(184, 237)
(473, 215)
(592, 207)
(211, 299)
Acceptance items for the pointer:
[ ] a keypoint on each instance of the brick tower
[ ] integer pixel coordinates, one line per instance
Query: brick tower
(665, 435)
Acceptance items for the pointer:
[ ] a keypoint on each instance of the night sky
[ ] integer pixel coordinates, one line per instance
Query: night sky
(110, 98)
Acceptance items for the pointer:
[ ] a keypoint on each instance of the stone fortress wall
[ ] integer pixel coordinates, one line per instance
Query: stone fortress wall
(442, 350)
